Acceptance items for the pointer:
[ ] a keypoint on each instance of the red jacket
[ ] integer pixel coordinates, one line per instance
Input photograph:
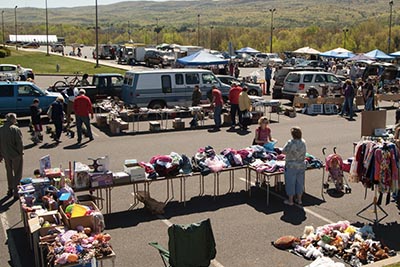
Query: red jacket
(234, 93)
(83, 106)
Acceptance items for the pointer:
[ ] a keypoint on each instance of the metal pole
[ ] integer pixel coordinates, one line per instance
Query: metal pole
(157, 30)
(390, 25)
(272, 10)
(2, 25)
(211, 29)
(16, 31)
(129, 30)
(97, 38)
(345, 31)
(198, 29)
(47, 31)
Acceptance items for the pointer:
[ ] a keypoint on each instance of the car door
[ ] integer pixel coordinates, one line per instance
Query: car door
(26, 94)
(333, 81)
(291, 83)
(7, 99)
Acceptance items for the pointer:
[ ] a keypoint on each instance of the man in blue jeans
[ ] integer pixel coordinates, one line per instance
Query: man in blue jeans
(82, 108)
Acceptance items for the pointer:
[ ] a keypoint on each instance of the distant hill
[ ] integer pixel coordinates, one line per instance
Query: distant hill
(289, 13)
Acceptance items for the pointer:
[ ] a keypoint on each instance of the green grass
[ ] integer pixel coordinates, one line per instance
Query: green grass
(393, 265)
(42, 64)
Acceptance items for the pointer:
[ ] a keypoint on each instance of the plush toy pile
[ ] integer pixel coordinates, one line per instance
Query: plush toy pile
(353, 245)
(78, 247)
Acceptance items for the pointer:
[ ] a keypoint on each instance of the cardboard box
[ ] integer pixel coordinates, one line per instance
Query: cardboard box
(227, 119)
(137, 173)
(99, 179)
(121, 178)
(85, 221)
(54, 218)
(154, 126)
(101, 120)
(370, 120)
(178, 124)
(53, 173)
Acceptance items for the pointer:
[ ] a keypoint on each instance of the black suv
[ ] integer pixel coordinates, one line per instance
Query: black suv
(280, 74)
(158, 58)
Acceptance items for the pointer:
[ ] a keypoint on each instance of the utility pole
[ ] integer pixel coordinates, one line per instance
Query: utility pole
(272, 10)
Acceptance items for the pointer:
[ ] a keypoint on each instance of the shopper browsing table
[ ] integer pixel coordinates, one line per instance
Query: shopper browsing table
(295, 167)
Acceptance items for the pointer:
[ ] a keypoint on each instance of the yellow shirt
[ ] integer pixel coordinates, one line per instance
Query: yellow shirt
(244, 102)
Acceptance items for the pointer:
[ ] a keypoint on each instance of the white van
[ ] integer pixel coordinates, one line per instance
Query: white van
(298, 82)
(160, 88)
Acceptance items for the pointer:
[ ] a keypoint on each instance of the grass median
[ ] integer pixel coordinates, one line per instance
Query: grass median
(43, 64)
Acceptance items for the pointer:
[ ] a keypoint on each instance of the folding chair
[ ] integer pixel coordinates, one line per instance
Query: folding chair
(190, 245)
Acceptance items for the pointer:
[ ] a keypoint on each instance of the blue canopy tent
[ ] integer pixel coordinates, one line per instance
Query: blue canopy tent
(378, 54)
(345, 55)
(247, 50)
(335, 54)
(201, 58)
(395, 54)
(329, 53)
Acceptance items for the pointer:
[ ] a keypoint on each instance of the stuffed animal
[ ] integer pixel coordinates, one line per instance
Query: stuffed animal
(286, 242)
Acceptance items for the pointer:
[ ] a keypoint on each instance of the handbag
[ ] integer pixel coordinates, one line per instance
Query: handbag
(247, 115)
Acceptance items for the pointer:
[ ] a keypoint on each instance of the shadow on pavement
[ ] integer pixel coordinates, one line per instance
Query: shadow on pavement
(18, 247)
(386, 234)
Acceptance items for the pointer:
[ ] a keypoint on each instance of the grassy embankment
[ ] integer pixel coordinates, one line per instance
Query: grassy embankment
(42, 64)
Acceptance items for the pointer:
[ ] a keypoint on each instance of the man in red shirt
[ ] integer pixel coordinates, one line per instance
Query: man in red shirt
(234, 93)
(82, 108)
(217, 103)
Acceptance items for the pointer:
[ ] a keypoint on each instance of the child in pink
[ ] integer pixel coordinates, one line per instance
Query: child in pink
(263, 132)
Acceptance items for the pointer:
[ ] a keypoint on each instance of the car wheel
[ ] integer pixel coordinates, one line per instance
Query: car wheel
(253, 92)
(157, 104)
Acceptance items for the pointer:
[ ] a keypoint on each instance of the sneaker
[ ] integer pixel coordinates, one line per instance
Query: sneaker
(287, 202)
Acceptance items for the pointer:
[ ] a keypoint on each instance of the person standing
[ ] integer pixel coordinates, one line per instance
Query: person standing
(196, 96)
(11, 150)
(57, 116)
(84, 81)
(348, 99)
(234, 93)
(217, 103)
(83, 107)
(35, 120)
(268, 77)
(368, 95)
(295, 151)
(244, 107)
(70, 93)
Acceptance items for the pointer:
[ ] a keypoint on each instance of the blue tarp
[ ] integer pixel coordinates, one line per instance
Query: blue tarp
(378, 54)
(201, 58)
(248, 50)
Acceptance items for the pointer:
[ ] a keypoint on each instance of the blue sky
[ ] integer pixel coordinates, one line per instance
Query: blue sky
(56, 3)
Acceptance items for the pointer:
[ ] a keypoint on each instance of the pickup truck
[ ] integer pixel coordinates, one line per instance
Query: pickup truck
(103, 85)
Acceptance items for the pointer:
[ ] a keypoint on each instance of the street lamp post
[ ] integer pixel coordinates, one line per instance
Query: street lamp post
(16, 31)
(97, 38)
(47, 31)
(198, 29)
(157, 31)
(2, 25)
(345, 31)
(272, 10)
(390, 25)
(129, 30)
(211, 29)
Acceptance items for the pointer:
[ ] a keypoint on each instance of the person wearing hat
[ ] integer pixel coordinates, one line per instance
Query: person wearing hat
(83, 107)
(57, 116)
(234, 93)
(11, 150)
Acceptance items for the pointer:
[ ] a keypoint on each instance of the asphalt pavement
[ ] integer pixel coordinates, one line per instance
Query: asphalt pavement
(243, 226)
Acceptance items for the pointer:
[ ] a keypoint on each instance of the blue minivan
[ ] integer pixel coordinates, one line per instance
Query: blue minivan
(17, 97)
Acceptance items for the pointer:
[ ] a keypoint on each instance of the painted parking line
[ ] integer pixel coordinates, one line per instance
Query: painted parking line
(214, 262)
(307, 210)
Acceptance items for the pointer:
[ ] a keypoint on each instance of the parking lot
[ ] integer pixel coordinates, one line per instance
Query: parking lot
(243, 226)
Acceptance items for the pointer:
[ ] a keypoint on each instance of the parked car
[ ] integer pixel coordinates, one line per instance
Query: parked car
(299, 81)
(269, 58)
(158, 58)
(12, 72)
(106, 52)
(17, 97)
(31, 45)
(254, 89)
(57, 47)
(104, 84)
(280, 75)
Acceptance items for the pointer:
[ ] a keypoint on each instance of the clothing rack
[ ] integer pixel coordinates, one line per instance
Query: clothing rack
(375, 210)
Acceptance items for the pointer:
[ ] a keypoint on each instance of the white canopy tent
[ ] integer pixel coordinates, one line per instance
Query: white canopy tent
(42, 39)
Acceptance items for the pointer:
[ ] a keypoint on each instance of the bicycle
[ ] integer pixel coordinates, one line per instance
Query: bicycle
(60, 86)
